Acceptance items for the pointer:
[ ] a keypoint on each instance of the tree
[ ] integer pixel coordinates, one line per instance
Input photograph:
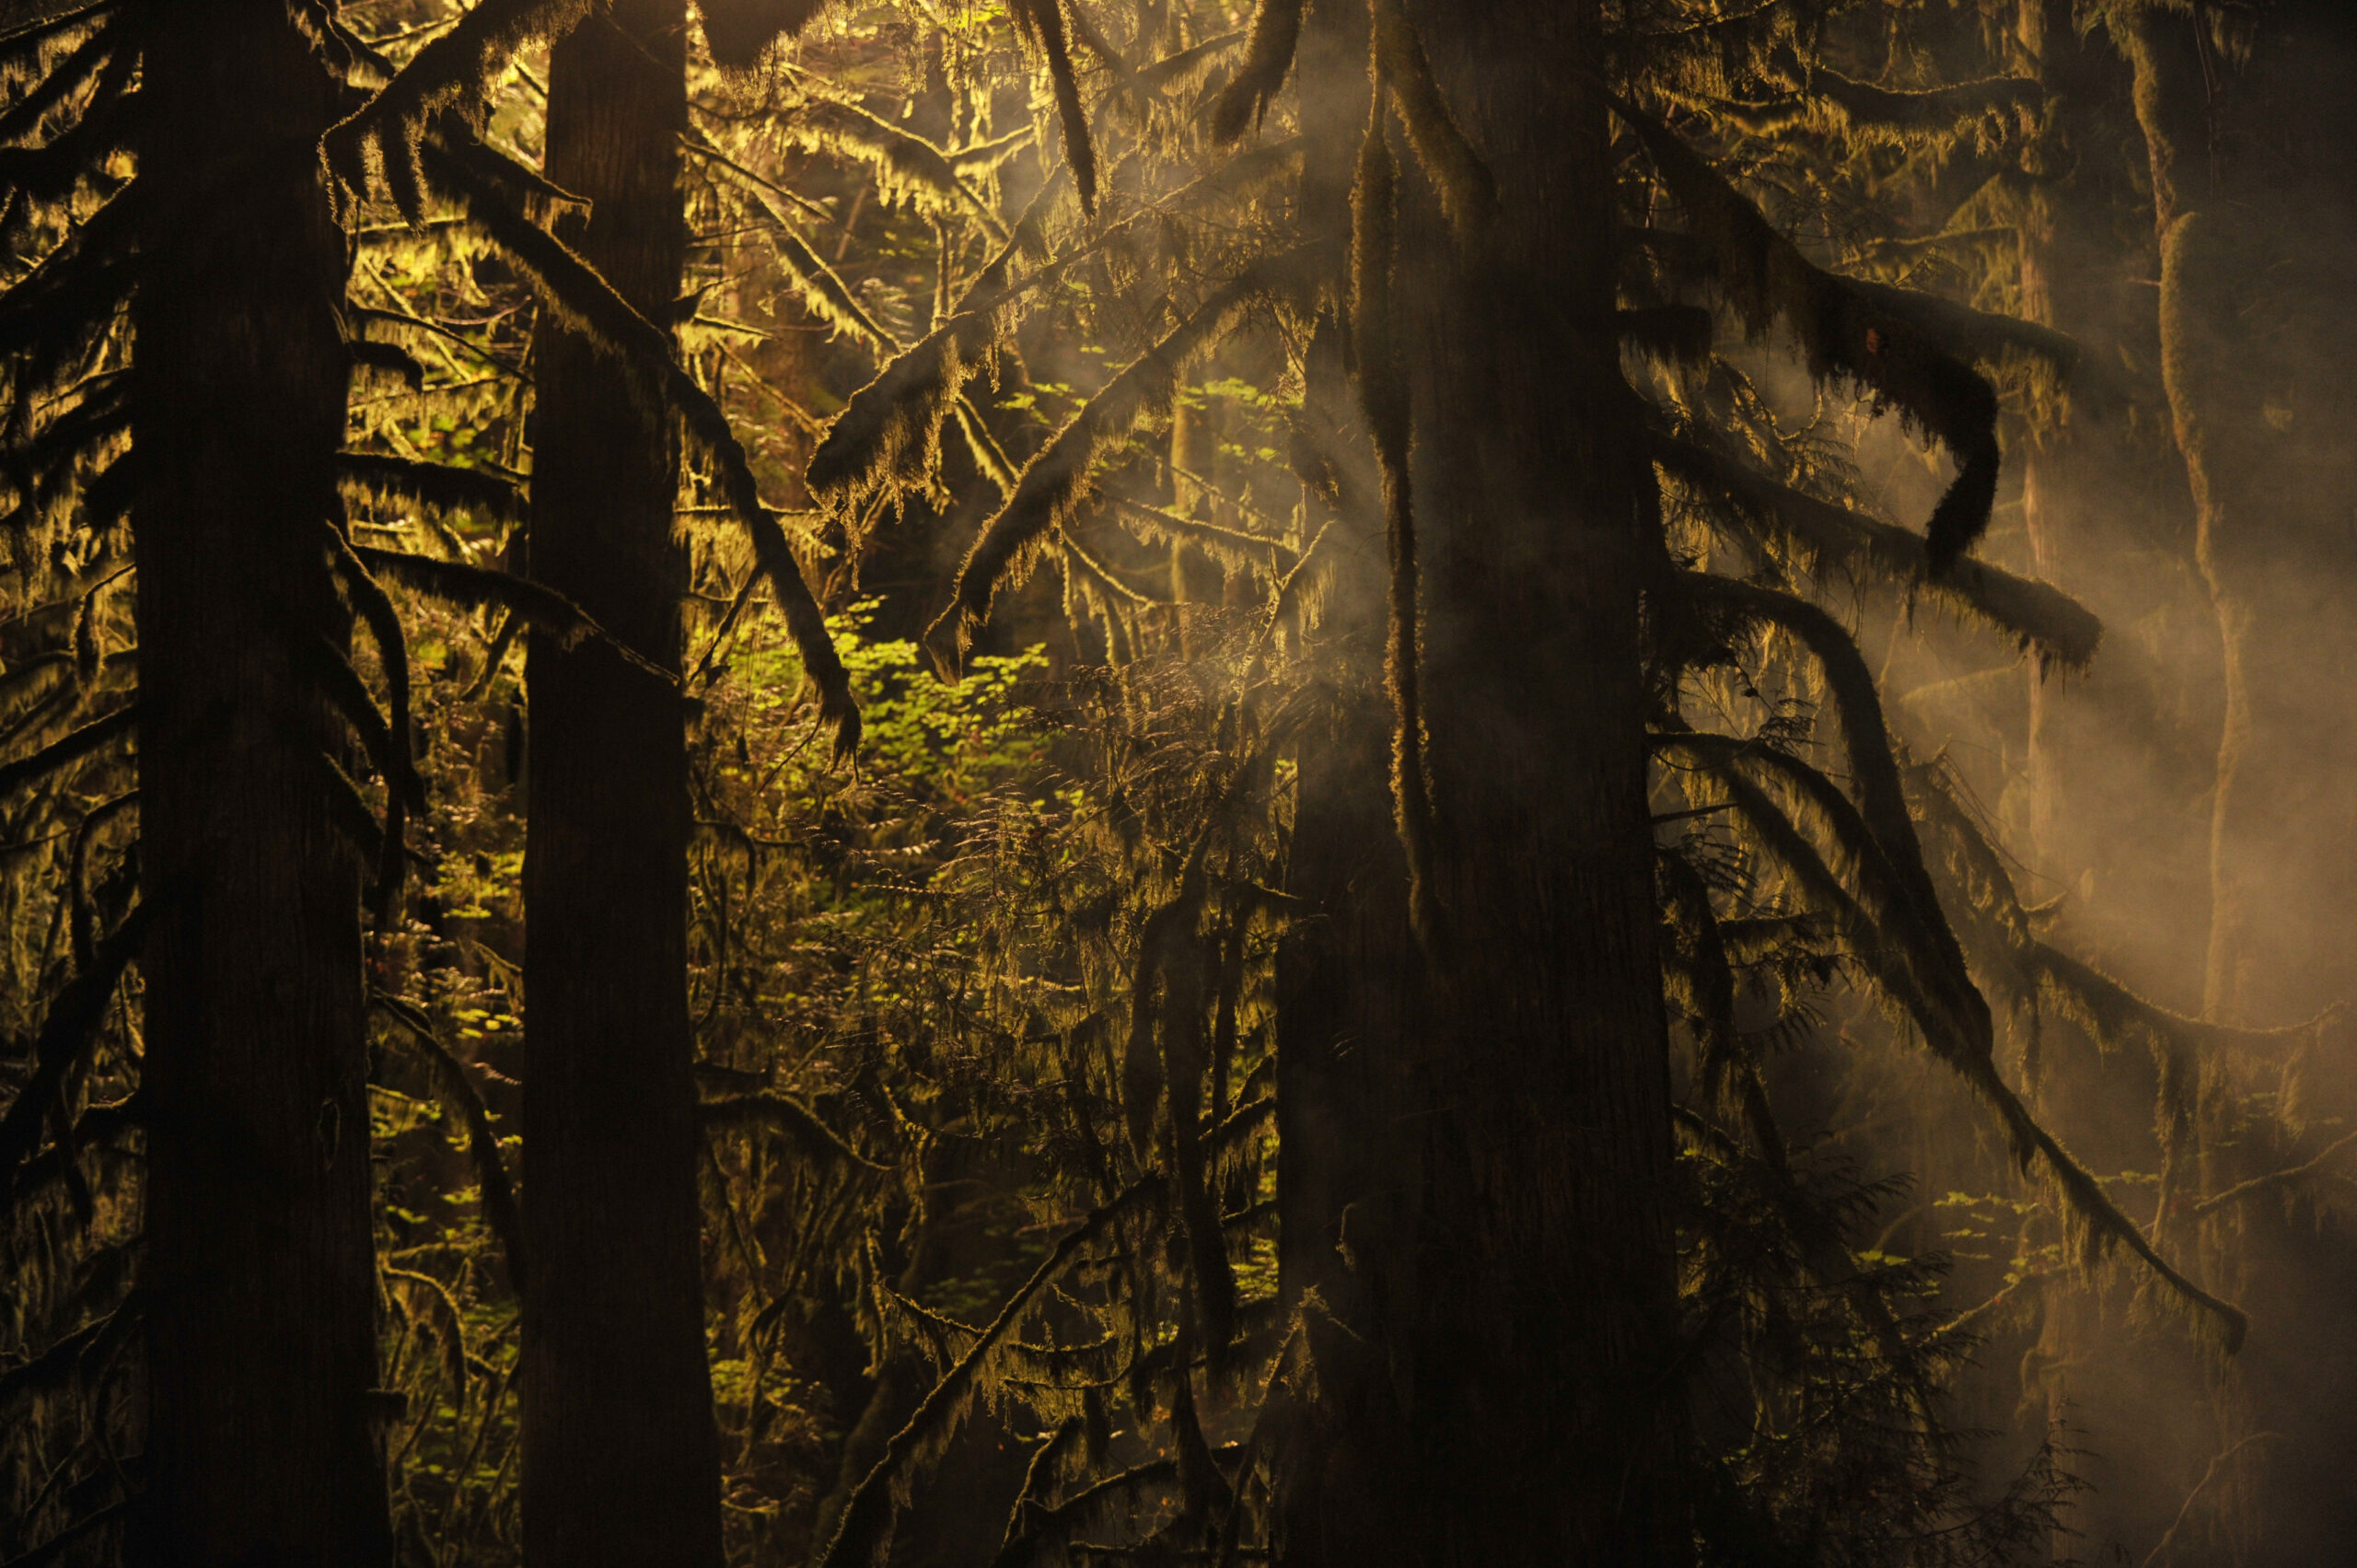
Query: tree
(1470, 613)
(621, 1461)
(258, 1288)
(256, 1269)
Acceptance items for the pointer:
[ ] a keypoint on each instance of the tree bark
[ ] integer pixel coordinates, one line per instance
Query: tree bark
(620, 1453)
(1509, 1253)
(259, 1270)
(1545, 1283)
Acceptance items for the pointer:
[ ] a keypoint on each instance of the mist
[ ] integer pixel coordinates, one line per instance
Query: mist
(1332, 781)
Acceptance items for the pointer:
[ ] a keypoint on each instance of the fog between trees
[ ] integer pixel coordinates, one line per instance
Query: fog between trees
(1350, 781)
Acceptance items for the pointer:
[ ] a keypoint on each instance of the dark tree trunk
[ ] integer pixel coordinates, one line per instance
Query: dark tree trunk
(621, 1452)
(1509, 1248)
(1544, 1283)
(260, 1274)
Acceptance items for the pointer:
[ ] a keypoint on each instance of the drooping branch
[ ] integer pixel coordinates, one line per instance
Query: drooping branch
(67, 749)
(459, 1092)
(1043, 21)
(1268, 56)
(452, 72)
(2038, 613)
(583, 298)
(1055, 481)
(66, 1031)
(785, 1114)
(1896, 966)
(440, 487)
(861, 1535)
(541, 606)
(1887, 341)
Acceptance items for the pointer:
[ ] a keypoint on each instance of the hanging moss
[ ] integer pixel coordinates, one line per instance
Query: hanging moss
(1865, 334)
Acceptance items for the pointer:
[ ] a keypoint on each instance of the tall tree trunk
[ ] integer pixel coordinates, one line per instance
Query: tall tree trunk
(1349, 993)
(2116, 786)
(2255, 203)
(620, 1451)
(1509, 1251)
(1545, 1289)
(260, 1272)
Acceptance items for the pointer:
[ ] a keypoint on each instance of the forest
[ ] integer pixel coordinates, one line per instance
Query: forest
(1177, 784)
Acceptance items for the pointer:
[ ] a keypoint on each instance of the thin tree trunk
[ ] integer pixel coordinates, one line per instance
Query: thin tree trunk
(620, 1451)
(260, 1283)
(2253, 323)
(2256, 211)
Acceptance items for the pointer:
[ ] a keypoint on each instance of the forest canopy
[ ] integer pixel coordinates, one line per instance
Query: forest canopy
(851, 782)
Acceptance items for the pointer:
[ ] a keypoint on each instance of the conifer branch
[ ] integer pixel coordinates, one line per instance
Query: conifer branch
(1230, 547)
(24, 116)
(1866, 334)
(79, 743)
(1675, 334)
(1882, 796)
(447, 1325)
(393, 358)
(26, 25)
(2038, 613)
(539, 606)
(1053, 482)
(737, 31)
(1268, 57)
(905, 166)
(783, 1113)
(860, 1537)
(1895, 969)
(384, 625)
(441, 487)
(1469, 192)
(1914, 116)
(588, 302)
(341, 684)
(2274, 1181)
(1382, 384)
(1042, 22)
(453, 70)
